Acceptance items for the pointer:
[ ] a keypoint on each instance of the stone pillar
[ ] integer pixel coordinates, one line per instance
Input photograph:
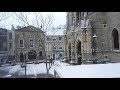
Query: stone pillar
(37, 55)
(73, 47)
(65, 45)
(73, 52)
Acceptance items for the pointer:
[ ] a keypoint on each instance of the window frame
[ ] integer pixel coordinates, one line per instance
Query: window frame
(22, 44)
(32, 43)
(9, 36)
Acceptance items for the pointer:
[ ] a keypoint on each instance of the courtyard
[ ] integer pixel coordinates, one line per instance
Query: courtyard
(32, 70)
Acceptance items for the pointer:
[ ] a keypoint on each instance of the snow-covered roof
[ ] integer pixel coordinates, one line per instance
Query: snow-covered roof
(90, 71)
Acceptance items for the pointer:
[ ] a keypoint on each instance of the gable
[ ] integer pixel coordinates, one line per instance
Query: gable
(30, 29)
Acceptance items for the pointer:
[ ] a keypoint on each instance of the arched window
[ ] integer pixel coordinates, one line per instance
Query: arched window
(40, 53)
(77, 16)
(115, 36)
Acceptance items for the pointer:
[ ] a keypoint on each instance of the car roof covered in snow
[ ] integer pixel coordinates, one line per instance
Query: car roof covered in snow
(111, 70)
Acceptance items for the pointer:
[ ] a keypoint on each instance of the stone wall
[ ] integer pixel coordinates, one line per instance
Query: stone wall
(28, 35)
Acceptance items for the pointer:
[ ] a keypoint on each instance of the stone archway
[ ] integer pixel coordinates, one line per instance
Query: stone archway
(32, 55)
(79, 54)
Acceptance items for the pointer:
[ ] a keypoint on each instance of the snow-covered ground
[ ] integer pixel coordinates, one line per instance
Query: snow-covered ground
(67, 71)
(111, 70)
(32, 69)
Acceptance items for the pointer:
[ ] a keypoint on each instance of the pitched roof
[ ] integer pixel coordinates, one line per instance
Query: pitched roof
(29, 28)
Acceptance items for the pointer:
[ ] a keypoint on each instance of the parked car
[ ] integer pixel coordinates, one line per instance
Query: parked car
(62, 60)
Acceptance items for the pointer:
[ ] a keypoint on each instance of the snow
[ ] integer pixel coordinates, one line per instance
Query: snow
(65, 70)
(31, 69)
(90, 71)
(57, 64)
(34, 69)
(7, 75)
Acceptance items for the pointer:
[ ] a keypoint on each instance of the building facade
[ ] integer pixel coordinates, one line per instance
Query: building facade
(54, 46)
(29, 41)
(92, 35)
(3, 45)
(11, 44)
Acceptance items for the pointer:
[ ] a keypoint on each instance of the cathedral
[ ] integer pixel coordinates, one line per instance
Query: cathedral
(92, 36)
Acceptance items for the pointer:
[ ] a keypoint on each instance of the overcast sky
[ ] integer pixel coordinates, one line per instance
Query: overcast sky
(59, 19)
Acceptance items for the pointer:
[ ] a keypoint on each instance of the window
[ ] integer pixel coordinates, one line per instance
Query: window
(54, 39)
(54, 48)
(106, 57)
(10, 45)
(60, 47)
(48, 46)
(48, 56)
(60, 38)
(48, 39)
(115, 39)
(10, 35)
(31, 43)
(21, 43)
(40, 44)
(60, 55)
(40, 53)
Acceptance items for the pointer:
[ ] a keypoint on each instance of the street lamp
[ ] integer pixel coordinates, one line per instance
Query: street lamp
(25, 63)
(94, 48)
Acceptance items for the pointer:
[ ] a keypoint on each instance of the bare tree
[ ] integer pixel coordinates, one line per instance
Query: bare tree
(43, 22)
(4, 16)
(22, 18)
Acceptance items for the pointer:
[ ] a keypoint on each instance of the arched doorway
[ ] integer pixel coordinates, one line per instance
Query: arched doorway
(40, 55)
(115, 36)
(32, 55)
(21, 57)
(79, 55)
(69, 48)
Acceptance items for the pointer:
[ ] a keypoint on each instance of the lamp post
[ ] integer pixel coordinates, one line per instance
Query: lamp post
(25, 63)
(94, 48)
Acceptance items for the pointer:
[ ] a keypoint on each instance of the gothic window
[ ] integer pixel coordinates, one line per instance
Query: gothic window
(115, 39)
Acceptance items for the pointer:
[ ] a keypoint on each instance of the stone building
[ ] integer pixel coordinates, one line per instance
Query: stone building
(54, 46)
(3, 45)
(92, 35)
(29, 41)
(11, 43)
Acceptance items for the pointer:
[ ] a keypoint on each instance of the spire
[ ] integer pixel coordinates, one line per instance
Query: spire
(12, 28)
